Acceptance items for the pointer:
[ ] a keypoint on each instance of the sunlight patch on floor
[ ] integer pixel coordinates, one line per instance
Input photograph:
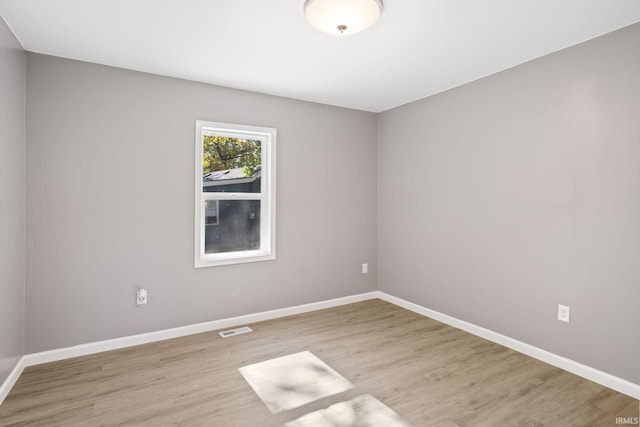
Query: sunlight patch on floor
(291, 381)
(364, 410)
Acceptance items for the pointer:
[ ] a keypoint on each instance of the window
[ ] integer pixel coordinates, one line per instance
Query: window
(211, 212)
(235, 194)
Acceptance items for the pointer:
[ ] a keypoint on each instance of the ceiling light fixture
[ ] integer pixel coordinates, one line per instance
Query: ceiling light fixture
(342, 17)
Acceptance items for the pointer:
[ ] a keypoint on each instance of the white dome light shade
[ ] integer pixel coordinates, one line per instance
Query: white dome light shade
(342, 17)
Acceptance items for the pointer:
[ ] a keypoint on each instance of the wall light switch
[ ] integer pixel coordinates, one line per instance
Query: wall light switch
(365, 268)
(564, 313)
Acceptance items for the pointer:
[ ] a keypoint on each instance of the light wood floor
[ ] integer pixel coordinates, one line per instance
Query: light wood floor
(429, 373)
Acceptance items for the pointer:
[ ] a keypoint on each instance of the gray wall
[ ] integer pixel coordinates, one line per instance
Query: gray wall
(12, 194)
(502, 198)
(496, 201)
(110, 202)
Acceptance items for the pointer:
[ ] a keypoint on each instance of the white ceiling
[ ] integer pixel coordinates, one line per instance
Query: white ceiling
(418, 48)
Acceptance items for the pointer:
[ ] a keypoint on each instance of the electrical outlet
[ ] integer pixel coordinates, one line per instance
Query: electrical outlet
(141, 296)
(365, 268)
(564, 313)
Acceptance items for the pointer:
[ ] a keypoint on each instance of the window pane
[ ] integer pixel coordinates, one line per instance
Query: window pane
(231, 164)
(238, 227)
(235, 208)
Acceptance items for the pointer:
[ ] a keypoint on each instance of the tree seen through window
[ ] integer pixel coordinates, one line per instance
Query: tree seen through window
(222, 152)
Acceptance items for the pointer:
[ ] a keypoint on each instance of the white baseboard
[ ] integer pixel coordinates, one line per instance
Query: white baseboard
(8, 383)
(116, 343)
(603, 378)
(600, 377)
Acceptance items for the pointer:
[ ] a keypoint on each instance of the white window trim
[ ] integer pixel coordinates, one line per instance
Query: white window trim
(267, 196)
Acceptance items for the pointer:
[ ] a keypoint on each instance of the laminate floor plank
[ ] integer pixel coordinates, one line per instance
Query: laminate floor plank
(428, 373)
